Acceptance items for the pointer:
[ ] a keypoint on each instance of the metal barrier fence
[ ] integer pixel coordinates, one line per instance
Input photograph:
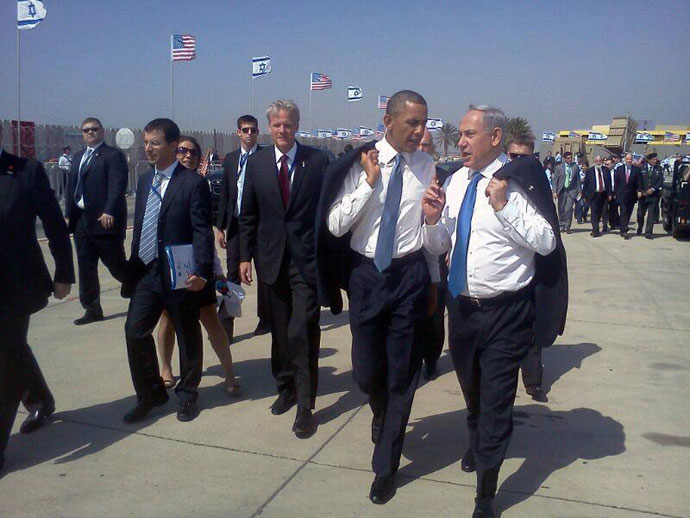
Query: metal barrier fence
(58, 178)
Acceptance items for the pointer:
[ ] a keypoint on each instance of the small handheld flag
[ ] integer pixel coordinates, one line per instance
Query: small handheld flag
(261, 66)
(183, 47)
(30, 13)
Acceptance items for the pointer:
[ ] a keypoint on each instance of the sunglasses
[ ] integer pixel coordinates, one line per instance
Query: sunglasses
(246, 130)
(90, 130)
(184, 150)
(514, 156)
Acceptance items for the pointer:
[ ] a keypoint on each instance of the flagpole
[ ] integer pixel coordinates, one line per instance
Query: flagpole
(19, 104)
(252, 92)
(310, 119)
(172, 82)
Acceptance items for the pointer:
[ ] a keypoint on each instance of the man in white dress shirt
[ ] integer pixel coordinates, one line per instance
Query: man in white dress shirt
(493, 233)
(380, 205)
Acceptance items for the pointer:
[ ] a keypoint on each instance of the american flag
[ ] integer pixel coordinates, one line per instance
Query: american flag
(671, 137)
(183, 47)
(320, 81)
(383, 102)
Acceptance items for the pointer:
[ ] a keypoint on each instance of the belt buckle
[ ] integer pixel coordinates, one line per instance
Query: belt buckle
(476, 302)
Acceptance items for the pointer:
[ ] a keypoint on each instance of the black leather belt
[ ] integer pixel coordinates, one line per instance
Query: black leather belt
(396, 262)
(498, 300)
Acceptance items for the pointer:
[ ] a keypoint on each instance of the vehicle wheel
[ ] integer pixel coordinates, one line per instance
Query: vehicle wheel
(681, 233)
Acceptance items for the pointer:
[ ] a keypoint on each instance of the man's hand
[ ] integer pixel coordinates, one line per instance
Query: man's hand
(107, 221)
(246, 272)
(370, 163)
(195, 283)
(433, 201)
(555, 196)
(61, 290)
(220, 237)
(496, 192)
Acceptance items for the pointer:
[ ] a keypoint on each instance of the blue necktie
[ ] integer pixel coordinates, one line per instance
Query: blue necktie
(457, 275)
(148, 245)
(389, 218)
(243, 161)
(79, 189)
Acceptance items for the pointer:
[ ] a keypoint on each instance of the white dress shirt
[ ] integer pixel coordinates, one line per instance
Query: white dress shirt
(500, 256)
(597, 172)
(240, 179)
(166, 174)
(358, 206)
(291, 158)
(90, 153)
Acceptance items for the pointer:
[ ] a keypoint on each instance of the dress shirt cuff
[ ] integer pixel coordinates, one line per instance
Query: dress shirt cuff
(435, 239)
(509, 214)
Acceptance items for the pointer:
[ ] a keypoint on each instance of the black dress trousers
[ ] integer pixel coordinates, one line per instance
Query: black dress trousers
(295, 333)
(597, 204)
(434, 333)
(110, 249)
(487, 343)
(387, 315)
(20, 375)
(145, 307)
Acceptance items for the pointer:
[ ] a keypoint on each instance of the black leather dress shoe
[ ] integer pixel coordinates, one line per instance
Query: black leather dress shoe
(430, 372)
(649, 237)
(262, 329)
(537, 393)
(305, 424)
(139, 412)
(187, 411)
(382, 489)
(376, 425)
(284, 403)
(467, 463)
(37, 418)
(484, 507)
(88, 318)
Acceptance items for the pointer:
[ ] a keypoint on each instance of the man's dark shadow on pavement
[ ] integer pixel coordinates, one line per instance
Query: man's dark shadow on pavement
(547, 440)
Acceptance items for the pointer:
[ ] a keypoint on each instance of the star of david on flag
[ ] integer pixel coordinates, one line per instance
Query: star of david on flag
(354, 93)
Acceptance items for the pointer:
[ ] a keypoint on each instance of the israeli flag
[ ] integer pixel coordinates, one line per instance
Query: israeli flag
(434, 124)
(366, 132)
(548, 136)
(354, 93)
(324, 134)
(30, 13)
(261, 66)
(343, 133)
(304, 134)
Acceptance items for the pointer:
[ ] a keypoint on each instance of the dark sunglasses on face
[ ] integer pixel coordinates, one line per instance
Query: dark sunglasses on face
(249, 130)
(184, 150)
(90, 130)
(514, 156)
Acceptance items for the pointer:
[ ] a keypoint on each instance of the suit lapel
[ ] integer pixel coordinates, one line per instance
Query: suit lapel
(5, 202)
(92, 160)
(173, 186)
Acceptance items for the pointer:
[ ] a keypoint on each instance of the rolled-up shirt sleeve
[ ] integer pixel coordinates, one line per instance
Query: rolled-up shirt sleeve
(352, 197)
(525, 225)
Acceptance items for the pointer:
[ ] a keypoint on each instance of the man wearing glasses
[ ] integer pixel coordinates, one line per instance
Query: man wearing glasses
(226, 229)
(96, 213)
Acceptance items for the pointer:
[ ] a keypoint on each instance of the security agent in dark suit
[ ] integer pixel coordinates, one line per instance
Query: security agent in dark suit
(173, 207)
(226, 226)
(627, 185)
(96, 212)
(25, 286)
(277, 227)
(596, 190)
(651, 183)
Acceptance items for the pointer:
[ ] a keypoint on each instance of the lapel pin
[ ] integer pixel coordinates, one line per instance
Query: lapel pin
(531, 187)
(302, 163)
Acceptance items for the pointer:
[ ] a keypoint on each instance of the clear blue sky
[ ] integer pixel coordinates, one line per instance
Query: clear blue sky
(558, 64)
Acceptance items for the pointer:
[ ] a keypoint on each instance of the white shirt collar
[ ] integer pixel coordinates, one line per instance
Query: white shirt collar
(489, 170)
(290, 154)
(168, 171)
(95, 147)
(388, 152)
(252, 150)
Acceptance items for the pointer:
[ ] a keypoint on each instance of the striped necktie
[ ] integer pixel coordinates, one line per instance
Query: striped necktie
(148, 244)
(383, 256)
(79, 189)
